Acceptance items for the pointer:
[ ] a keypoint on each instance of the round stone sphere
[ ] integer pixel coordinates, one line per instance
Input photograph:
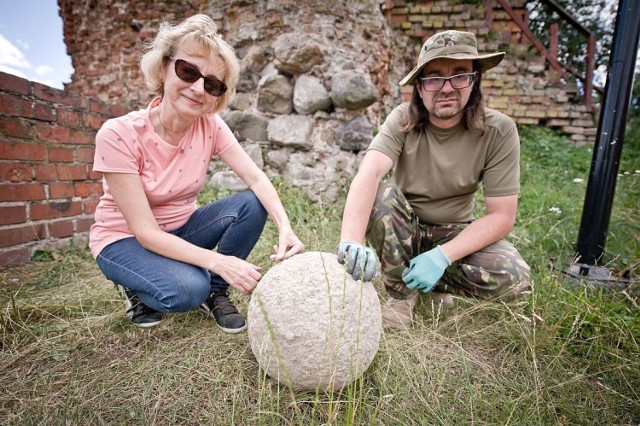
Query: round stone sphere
(312, 326)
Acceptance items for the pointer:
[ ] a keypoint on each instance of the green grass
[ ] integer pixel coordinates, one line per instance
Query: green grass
(567, 354)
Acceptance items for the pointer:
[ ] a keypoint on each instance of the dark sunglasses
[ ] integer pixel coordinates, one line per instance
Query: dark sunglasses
(190, 73)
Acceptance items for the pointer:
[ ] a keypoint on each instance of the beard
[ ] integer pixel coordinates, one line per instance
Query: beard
(445, 112)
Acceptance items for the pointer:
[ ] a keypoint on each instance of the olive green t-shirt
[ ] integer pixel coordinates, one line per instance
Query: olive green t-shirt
(440, 170)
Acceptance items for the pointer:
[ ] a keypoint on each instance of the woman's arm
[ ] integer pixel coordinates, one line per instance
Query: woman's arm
(129, 195)
(240, 162)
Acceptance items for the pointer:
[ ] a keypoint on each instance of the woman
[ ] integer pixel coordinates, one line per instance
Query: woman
(149, 237)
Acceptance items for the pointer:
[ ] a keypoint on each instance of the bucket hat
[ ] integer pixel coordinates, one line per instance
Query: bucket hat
(452, 44)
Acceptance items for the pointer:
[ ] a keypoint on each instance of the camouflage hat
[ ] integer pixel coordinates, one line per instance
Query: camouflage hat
(453, 45)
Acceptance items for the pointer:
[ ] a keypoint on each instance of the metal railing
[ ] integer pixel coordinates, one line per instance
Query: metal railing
(551, 53)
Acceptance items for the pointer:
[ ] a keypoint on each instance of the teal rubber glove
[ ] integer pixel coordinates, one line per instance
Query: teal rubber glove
(426, 269)
(360, 260)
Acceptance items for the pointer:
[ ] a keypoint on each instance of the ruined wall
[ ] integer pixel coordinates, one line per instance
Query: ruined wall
(317, 78)
(104, 37)
(291, 49)
(105, 56)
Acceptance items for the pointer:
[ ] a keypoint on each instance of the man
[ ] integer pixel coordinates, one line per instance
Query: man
(442, 146)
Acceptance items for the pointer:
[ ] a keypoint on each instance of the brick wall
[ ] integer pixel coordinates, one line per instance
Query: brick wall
(48, 192)
(104, 40)
(105, 57)
(522, 86)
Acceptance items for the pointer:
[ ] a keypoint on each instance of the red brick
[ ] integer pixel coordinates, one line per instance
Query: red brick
(94, 121)
(68, 117)
(84, 224)
(89, 206)
(55, 209)
(52, 133)
(17, 127)
(22, 234)
(13, 214)
(43, 111)
(85, 154)
(118, 110)
(66, 172)
(22, 151)
(19, 256)
(14, 106)
(15, 172)
(57, 96)
(94, 175)
(60, 190)
(60, 229)
(97, 106)
(80, 137)
(22, 192)
(12, 83)
(46, 172)
(61, 155)
(88, 189)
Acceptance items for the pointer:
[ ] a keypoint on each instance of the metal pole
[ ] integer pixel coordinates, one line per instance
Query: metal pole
(606, 155)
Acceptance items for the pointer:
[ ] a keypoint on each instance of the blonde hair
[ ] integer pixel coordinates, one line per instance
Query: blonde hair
(200, 34)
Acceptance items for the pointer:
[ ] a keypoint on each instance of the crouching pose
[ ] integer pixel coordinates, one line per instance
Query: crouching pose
(149, 236)
(442, 146)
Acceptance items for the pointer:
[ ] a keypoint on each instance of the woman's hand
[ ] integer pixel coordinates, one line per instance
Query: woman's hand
(240, 274)
(288, 245)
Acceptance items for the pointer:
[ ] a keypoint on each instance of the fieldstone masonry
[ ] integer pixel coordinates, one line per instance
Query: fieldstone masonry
(319, 77)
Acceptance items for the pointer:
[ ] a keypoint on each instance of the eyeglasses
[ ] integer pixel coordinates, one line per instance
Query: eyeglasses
(190, 73)
(458, 81)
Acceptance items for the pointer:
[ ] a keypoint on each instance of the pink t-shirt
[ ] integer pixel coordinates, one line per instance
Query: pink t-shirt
(171, 175)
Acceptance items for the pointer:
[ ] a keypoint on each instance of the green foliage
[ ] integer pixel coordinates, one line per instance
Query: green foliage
(551, 203)
(42, 256)
(632, 133)
(634, 107)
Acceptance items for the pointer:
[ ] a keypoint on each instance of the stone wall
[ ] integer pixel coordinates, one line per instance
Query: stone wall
(379, 38)
(313, 86)
(313, 67)
(317, 79)
(104, 37)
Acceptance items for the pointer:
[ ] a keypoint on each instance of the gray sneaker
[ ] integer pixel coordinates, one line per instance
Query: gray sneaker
(139, 313)
(220, 308)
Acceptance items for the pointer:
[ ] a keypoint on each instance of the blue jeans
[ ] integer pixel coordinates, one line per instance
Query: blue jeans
(233, 224)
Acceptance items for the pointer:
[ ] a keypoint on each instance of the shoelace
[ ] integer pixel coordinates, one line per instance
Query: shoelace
(137, 307)
(224, 304)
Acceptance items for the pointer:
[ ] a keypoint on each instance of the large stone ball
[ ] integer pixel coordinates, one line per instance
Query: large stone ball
(311, 326)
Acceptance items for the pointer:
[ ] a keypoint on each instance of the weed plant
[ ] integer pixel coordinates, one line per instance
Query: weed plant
(566, 354)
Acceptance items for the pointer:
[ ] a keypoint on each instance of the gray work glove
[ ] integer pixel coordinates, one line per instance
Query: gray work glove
(360, 260)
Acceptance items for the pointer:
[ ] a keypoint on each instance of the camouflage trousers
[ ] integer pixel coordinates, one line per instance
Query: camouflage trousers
(495, 272)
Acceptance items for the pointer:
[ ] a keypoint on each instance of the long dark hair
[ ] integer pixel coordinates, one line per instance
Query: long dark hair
(417, 116)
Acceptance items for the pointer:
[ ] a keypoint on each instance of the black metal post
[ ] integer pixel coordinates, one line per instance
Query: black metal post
(606, 155)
